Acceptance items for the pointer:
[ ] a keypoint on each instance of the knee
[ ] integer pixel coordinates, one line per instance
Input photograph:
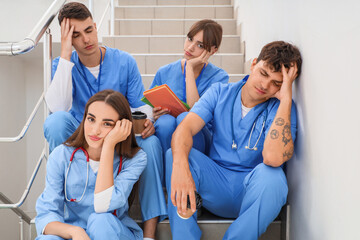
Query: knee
(150, 145)
(270, 179)
(56, 123)
(99, 219)
(181, 117)
(165, 124)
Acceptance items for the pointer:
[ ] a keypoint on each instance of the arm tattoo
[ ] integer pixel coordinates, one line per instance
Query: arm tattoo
(286, 134)
(279, 121)
(274, 134)
(288, 154)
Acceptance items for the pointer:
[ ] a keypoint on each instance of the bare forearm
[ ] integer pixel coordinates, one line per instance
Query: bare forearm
(105, 178)
(192, 95)
(181, 145)
(60, 229)
(279, 146)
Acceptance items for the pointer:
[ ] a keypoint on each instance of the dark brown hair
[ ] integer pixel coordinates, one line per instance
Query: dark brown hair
(279, 53)
(212, 33)
(74, 10)
(127, 148)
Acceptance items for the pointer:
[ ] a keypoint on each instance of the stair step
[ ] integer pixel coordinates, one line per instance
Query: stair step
(172, 2)
(150, 63)
(148, 78)
(164, 44)
(165, 26)
(175, 12)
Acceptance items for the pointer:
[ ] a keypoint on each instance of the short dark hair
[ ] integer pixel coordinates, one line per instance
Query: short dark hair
(74, 10)
(279, 53)
(212, 33)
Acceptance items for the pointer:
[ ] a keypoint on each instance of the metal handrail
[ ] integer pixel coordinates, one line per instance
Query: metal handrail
(29, 43)
(110, 5)
(27, 124)
(28, 187)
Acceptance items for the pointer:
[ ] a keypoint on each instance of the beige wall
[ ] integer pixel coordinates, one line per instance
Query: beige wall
(324, 174)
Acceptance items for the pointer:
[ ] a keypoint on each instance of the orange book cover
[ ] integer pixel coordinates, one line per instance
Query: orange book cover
(162, 96)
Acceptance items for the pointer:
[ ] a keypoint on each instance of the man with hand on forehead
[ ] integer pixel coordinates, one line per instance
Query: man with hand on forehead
(254, 129)
(79, 74)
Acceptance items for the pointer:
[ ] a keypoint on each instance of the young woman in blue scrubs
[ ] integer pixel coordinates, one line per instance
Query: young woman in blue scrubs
(189, 78)
(90, 177)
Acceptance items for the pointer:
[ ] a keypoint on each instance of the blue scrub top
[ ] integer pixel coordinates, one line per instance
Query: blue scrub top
(51, 205)
(216, 105)
(119, 72)
(173, 76)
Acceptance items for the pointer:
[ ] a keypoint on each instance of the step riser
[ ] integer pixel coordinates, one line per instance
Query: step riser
(147, 79)
(232, 64)
(162, 44)
(175, 12)
(174, 2)
(165, 27)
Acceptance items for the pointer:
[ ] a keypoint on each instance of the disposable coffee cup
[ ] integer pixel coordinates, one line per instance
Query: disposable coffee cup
(139, 119)
(189, 213)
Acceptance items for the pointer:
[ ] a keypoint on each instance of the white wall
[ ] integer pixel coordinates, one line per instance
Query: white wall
(324, 174)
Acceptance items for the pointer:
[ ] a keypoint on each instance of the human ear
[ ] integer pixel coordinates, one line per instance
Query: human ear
(254, 62)
(213, 50)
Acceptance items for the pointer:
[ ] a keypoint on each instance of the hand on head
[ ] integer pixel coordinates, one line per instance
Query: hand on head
(119, 133)
(202, 59)
(66, 39)
(289, 76)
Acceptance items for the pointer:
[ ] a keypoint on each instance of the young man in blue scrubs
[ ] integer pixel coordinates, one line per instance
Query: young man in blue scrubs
(79, 74)
(254, 125)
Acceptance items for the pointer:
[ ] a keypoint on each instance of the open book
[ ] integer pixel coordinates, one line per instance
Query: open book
(162, 96)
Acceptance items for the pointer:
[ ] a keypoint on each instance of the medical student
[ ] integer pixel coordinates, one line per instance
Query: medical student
(79, 74)
(254, 131)
(90, 177)
(189, 78)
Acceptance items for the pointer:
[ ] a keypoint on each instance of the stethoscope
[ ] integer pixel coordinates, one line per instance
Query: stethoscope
(92, 91)
(234, 145)
(87, 174)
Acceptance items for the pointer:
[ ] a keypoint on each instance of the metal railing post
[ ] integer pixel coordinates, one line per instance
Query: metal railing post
(47, 75)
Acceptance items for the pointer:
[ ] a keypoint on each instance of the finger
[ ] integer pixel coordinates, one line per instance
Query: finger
(71, 31)
(62, 26)
(177, 199)
(184, 197)
(147, 132)
(172, 196)
(155, 109)
(192, 201)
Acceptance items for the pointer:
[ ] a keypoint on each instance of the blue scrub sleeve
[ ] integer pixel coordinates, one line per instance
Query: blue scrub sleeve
(55, 63)
(50, 204)
(272, 115)
(156, 81)
(205, 107)
(135, 86)
(124, 182)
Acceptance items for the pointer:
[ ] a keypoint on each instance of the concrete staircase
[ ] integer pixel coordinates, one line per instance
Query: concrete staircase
(153, 31)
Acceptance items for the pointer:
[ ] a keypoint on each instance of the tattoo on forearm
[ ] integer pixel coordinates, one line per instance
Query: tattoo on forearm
(274, 134)
(288, 154)
(286, 134)
(279, 121)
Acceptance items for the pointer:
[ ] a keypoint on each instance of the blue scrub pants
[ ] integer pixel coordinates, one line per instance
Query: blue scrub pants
(101, 226)
(254, 197)
(165, 127)
(59, 126)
